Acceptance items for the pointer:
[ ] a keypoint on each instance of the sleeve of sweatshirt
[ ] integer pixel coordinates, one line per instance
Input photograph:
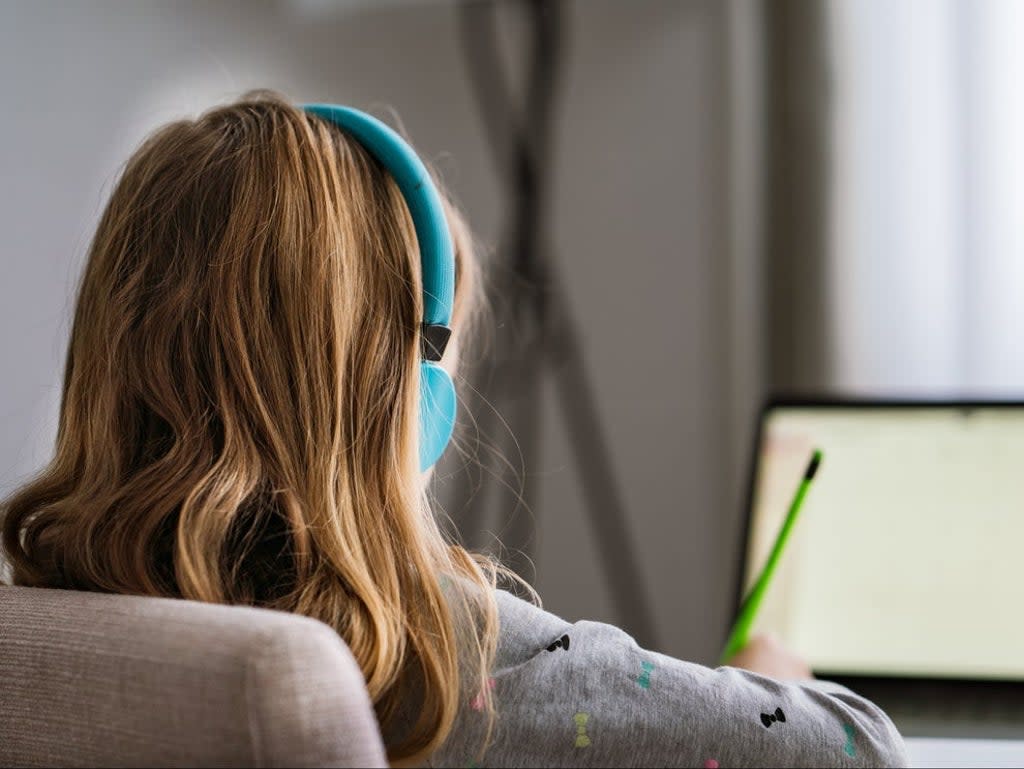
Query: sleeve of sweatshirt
(585, 694)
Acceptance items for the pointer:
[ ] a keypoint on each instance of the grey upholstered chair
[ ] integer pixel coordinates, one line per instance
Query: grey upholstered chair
(102, 680)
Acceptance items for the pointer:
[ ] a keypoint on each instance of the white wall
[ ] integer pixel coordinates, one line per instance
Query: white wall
(639, 214)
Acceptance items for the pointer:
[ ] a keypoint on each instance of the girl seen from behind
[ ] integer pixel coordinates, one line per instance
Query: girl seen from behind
(240, 423)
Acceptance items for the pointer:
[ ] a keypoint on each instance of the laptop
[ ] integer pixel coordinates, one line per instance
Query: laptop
(904, 575)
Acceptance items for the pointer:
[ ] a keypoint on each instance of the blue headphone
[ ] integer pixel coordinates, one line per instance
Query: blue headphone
(437, 393)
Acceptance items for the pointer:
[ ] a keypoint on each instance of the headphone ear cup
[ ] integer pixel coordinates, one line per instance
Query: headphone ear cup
(437, 412)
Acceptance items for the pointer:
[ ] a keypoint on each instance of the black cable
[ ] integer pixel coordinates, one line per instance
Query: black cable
(527, 242)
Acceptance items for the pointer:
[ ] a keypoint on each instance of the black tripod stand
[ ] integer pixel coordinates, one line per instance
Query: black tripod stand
(536, 335)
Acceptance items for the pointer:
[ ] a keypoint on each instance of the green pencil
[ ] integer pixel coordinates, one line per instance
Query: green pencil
(748, 609)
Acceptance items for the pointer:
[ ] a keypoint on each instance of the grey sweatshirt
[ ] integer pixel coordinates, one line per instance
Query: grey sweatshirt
(586, 695)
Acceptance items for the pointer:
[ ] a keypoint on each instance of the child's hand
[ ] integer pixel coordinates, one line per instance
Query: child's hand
(766, 655)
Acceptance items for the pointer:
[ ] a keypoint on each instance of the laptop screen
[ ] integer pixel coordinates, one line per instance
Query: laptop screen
(908, 555)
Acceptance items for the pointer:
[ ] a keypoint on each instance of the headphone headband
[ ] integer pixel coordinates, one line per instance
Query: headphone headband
(437, 255)
(437, 258)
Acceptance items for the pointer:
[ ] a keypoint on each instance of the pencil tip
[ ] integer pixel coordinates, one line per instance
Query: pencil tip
(812, 467)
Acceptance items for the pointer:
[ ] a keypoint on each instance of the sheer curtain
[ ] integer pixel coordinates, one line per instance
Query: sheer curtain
(926, 260)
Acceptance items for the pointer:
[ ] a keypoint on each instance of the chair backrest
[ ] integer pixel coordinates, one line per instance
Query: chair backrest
(104, 680)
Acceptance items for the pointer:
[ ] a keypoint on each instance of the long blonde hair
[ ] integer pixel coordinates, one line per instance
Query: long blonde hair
(239, 414)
